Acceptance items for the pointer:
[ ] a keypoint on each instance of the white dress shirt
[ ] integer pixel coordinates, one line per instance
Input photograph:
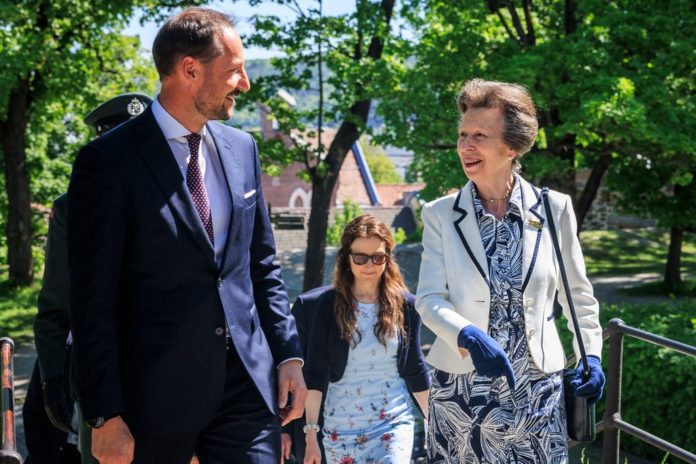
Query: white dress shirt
(211, 171)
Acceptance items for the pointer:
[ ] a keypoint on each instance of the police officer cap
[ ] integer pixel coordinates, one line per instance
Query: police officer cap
(119, 109)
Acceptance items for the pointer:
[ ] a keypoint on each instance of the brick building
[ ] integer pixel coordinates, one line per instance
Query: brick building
(288, 196)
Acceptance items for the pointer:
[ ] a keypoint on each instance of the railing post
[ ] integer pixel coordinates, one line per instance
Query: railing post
(610, 441)
(8, 453)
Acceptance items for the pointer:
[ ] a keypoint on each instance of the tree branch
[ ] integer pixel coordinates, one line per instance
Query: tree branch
(570, 22)
(297, 9)
(506, 26)
(530, 24)
(517, 22)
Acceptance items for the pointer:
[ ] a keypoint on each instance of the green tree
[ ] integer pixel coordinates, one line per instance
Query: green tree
(346, 56)
(381, 167)
(59, 58)
(614, 83)
(588, 108)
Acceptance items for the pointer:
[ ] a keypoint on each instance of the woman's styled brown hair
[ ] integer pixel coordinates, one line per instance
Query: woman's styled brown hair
(390, 317)
(519, 114)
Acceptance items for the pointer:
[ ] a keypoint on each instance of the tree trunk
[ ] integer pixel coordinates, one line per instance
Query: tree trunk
(322, 193)
(323, 186)
(673, 267)
(589, 193)
(18, 226)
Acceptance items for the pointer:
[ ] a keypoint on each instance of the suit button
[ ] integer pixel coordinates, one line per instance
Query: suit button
(219, 282)
(531, 332)
(219, 331)
(529, 302)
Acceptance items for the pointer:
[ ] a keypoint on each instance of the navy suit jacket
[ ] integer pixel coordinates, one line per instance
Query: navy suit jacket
(148, 302)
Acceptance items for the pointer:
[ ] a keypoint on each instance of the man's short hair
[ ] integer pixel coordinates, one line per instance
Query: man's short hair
(194, 32)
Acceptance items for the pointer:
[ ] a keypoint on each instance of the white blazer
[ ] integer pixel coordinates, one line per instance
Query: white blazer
(453, 286)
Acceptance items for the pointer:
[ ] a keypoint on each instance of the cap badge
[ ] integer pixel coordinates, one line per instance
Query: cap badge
(135, 107)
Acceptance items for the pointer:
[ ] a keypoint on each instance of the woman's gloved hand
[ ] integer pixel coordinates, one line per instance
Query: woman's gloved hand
(487, 355)
(591, 389)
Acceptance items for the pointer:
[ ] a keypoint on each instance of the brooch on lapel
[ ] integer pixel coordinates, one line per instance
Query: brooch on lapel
(534, 223)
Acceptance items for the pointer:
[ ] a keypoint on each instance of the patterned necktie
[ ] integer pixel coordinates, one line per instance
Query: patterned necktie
(194, 182)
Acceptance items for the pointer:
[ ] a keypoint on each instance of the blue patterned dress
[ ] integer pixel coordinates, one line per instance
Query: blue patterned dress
(477, 419)
(368, 416)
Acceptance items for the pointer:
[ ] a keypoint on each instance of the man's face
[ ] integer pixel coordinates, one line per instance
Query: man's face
(223, 79)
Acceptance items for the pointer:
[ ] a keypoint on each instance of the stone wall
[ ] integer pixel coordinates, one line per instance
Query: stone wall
(603, 214)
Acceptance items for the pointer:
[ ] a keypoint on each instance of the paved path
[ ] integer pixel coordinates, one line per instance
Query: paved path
(24, 359)
(292, 263)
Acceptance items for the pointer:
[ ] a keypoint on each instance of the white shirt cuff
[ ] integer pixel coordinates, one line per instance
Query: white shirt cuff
(292, 359)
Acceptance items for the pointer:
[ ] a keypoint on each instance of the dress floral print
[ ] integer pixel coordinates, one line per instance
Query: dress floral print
(368, 414)
(477, 419)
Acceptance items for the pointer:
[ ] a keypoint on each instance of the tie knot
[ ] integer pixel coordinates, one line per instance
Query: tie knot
(194, 141)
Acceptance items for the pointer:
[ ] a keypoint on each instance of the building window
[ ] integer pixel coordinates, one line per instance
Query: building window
(300, 199)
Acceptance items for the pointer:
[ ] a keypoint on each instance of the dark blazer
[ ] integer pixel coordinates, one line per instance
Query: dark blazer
(51, 326)
(149, 304)
(327, 352)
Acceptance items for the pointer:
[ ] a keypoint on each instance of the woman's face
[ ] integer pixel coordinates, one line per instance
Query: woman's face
(484, 154)
(368, 273)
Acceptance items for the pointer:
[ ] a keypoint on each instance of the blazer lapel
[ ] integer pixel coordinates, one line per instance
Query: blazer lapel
(230, 160)
(533, 226)
(468, 230)
(158, 156)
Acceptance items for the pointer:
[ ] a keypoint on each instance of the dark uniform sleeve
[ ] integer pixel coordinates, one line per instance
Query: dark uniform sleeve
(96, 231)
(51, 326)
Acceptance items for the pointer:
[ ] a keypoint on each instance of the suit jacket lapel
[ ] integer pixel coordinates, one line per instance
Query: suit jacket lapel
(155, 151)
(533, 226)
(231, 163)
(468, 230)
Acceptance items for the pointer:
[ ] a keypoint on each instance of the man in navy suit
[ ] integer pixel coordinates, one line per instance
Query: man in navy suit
(182, 335)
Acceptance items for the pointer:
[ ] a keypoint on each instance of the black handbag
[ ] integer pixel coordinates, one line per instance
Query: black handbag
(580, 417)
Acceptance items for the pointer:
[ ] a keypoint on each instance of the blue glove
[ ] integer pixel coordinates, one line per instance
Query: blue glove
(488, 356)
(592, 389)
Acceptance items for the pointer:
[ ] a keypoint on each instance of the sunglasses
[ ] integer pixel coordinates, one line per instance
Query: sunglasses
(362, 258)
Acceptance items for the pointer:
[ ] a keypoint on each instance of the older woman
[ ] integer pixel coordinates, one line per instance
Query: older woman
(364, 356)
(487, 283)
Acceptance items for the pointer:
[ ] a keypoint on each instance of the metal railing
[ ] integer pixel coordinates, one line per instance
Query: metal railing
(8, 453)
(612, 423)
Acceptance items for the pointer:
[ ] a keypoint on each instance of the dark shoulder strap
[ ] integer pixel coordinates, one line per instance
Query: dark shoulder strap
(564, 276)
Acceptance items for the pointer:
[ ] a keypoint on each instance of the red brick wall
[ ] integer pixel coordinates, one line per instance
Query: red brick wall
(350, 183)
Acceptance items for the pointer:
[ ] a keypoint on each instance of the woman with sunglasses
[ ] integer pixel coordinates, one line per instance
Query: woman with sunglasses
(364, 360)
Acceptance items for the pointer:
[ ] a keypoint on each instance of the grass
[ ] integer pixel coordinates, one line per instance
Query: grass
(686, 289)
(17, 311)
(630, 252)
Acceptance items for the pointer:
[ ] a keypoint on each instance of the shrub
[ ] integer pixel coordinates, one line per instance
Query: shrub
(350, 211)
(659, 385)
(399, 236)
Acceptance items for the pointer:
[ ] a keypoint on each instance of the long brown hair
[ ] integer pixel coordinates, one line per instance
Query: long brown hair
(390, 317)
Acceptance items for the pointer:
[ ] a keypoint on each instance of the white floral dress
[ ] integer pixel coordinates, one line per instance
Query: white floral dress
(368, 415)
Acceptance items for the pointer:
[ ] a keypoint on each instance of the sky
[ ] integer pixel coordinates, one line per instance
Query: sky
(242, 11)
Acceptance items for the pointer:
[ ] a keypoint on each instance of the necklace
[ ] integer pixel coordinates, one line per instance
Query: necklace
(507, 194)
